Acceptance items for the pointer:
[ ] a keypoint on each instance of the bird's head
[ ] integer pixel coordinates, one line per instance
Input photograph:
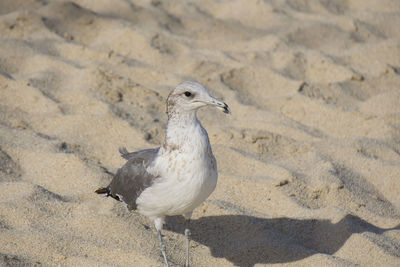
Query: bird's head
(190, 96)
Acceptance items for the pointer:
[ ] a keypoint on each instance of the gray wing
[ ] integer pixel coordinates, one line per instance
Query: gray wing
(132, 178)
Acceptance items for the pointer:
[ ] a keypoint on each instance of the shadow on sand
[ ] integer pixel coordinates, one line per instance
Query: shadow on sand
(247, 240)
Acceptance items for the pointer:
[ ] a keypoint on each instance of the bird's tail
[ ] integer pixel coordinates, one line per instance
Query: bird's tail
(124, 152)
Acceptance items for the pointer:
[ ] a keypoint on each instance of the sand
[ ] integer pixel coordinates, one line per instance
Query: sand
(309, 160)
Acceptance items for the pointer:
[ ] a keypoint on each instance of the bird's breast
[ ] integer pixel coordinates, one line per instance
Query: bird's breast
(188, 175)
(186, 181)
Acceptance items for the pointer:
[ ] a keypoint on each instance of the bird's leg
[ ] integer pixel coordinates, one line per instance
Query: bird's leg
(187, 234)
(162, 247)
(158, 223)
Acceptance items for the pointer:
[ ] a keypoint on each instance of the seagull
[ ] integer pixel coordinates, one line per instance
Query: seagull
(176, 177)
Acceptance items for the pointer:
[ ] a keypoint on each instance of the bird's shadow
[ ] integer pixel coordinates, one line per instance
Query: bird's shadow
(247, 240)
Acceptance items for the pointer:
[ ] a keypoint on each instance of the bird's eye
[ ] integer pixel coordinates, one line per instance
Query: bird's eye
(188, 94)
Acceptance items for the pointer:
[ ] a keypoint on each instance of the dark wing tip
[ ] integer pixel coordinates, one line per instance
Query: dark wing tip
(106, 190)
(103, 190)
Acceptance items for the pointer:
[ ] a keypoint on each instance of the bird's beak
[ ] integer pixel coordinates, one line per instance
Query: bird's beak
(220, 105)
(214, 102)
(206, 99)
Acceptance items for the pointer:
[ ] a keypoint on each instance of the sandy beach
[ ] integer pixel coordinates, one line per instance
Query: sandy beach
(309, 160)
